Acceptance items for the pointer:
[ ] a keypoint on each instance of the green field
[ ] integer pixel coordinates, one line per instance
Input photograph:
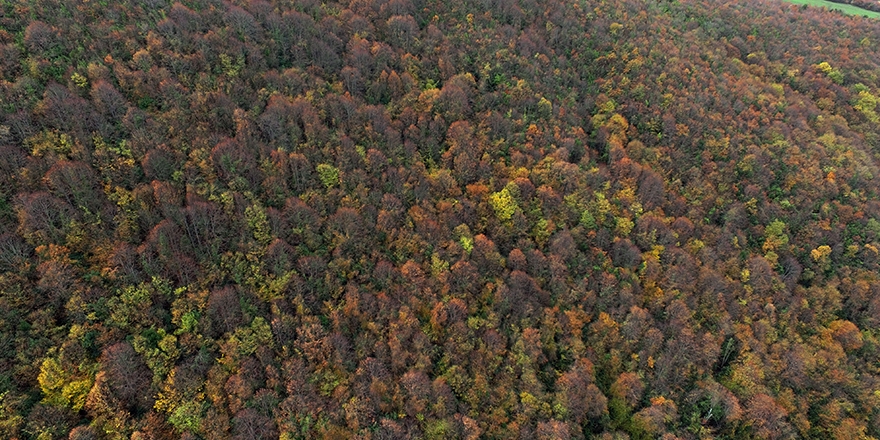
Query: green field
(846, 9)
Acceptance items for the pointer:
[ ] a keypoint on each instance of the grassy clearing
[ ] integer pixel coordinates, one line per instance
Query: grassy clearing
(846, 9)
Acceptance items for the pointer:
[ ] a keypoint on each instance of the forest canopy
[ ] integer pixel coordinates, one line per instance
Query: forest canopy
(427, 219)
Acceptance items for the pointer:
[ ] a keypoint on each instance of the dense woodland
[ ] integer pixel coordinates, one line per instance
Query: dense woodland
(438, 219)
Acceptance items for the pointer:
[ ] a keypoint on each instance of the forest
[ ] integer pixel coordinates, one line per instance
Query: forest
(433, 219)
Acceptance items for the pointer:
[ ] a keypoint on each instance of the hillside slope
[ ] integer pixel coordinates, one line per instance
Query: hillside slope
(429, 219)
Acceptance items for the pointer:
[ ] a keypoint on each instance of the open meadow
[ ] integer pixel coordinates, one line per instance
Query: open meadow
(846, 9)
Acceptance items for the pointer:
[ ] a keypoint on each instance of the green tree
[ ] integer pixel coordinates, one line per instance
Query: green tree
(504, 204)
(328, 174)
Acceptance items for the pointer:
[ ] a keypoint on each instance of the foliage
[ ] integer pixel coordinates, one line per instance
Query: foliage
(503, 203)
(432, 219)
(328, 174)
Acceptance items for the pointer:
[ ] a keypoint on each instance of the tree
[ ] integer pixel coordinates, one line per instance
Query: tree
(847, 334)
(49, 421)
(629, 388)
(504, 204)
(127, 377)
(463, 154)
(516, 260)
(328, 174)
(402, 30)
(206, 227)
(14, 253)
(351, 232)
(653, 420)
(39, 37)
(224, 310)
(767, 417)
(43, 218)
(300, 172)
(57, 104)
(83, 432)
(109, 101)
(12, 162)
(625, 254)
(651, 189)
(234, 162)
(485, 255)
(280, 257)
(553, 430)
(455, 97)
(716, 406)
(243, 24)
(651, 230)
(579, 396)
(160, 164)
(418, 393)
(73, 182)
(248, 424)
(464, 278)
